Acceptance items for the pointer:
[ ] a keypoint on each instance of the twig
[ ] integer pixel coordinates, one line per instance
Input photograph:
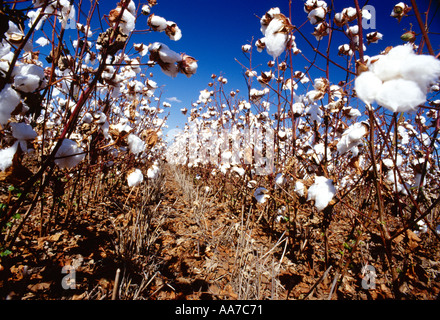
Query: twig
(325, 274)
(116, 285)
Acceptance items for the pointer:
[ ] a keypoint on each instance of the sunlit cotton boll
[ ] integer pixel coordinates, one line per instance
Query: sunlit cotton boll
(28, 77)
(352, 137)
(7, 155)
(23, 132)
(275, 41)
(261, 194)
(367, 86)
(300, 188)
(69, 154)
(400, 95)
(9, 99)
(135, 178)
(405, 78)
(322, 192)
(153, 172)
(135, 144)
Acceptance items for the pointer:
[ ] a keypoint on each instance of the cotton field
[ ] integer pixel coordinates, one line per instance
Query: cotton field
(325, 167)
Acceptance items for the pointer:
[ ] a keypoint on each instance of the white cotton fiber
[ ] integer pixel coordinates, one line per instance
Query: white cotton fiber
(28, 77)
(135, 144)
(275, 41)
(422, 69)
(300, 188)
(351, 137)
(389, 66)
(168, 56)
(322, 192)
(6, 156)
(9, 100)
(68, 155)
(135, 178)
(367, 85)
(400, 95)
(405, 78)
(23, 131)
(153, 172)
(158, 23)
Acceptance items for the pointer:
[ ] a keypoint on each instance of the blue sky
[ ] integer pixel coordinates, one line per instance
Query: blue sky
(214, 31)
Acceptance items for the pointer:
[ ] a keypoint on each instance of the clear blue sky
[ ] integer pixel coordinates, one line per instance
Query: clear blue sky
(214, 31)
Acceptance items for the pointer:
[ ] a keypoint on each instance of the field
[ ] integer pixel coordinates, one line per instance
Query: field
(302, 188)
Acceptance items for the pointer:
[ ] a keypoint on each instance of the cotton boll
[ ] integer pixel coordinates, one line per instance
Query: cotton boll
(9, 100)
(397, 186)
(238, 170)
(153, 172)
(280, 179)
(275, 41)
(400, 95)
(135, 144)
(157, 23)
(351, 137)
(135, 178)
(422, 69)
(261, 195)
(42, 41)
(28, 77)
(322, 192)
(7, 155)
(68, 155)
(388, 66)
(367, 86)
(300, 188)
(23, 131)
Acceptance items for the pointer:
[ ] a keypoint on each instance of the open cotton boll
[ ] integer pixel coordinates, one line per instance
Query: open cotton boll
(135, 144)
(28, 77)
(388, 66)
(23, 131)
(169, 56)
(153, 172)
(238, 170)
(157, 23)
(7, 155)
(367, 86)
(127, 23)
(280, 179)
(351, 137)
(69, 154)
(42, 41)
(322, 192)
(261, 194)
(300, 188)
(275, 40)
(135, 178)
(9, 100)
(422, 69)
(400, 95)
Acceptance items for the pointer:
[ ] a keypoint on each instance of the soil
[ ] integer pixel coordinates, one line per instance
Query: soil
(173, 247)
